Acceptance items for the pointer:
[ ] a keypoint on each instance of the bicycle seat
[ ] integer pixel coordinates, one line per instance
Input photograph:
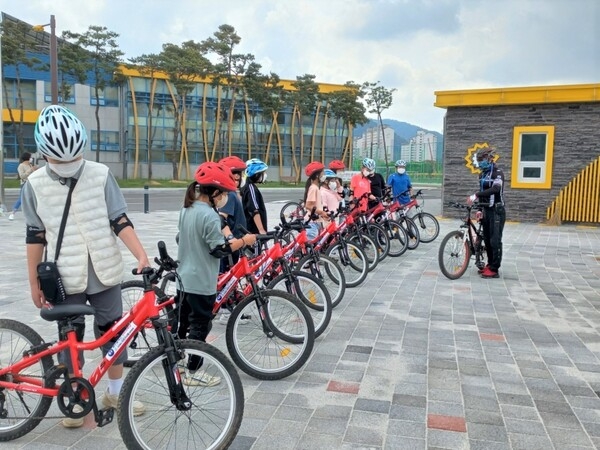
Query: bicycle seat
(62, 312)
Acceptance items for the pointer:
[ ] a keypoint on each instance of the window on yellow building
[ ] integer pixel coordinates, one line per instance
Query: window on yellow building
(533, 149)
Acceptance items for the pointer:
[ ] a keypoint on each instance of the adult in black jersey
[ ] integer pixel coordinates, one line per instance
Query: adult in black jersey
(491, 196)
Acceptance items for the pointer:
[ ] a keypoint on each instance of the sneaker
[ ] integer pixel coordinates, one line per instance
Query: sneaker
(489, 273)
(11, 216)
(480, 271)
(111, 401)
(224, 317)
(69, 422)
(200, 379)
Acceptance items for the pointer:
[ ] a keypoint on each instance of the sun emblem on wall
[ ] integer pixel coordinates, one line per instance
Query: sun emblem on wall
(470, 156)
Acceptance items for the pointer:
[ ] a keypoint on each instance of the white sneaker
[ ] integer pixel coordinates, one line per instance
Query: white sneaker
(11, 216)
(112, 400)
(200, 378)
(224, 317)
(69, 422)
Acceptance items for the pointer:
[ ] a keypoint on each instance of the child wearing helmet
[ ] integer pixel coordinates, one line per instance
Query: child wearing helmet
(252, 199)
(360, 184)
(400, 183)
(201, 247)
(335, 166)
(329, 194)
(91, 268)
(312, 195)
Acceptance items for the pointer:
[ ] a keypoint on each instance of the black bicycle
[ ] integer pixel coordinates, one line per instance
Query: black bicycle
(458, 246)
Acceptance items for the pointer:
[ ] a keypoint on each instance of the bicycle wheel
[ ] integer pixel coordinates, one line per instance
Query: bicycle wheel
(131, 292)
(21, 411)
(380, 237)
(311, 292)
(352, 260)
(398, 238)
(292, 211)
(429, 227)
(277, 347)
(329, 273)
(215, 415)
(368, 246)
(412, 231)
(454, 255)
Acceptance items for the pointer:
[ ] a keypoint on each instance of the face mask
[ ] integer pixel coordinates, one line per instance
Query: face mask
(322, 178)
(401, 170)
(332, 185)
(223, 201)
(242, 181)
(484, 165)
(264, 177)
(66, 170)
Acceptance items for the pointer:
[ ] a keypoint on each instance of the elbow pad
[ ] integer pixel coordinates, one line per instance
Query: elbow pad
(119, 223)
(35, 236)
(221, 251)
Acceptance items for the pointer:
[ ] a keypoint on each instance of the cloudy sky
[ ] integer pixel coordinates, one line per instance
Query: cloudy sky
(414, 46)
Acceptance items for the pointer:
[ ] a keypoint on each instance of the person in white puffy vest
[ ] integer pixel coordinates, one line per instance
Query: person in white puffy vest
(89, 261)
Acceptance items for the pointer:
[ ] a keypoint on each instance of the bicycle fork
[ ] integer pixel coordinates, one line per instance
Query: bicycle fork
(177, 392)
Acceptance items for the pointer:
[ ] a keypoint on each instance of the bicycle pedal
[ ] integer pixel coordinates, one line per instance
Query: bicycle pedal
(105, 416)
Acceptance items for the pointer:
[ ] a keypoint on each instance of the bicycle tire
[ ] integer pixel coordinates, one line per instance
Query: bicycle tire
(429, 227)
(381, 239)
(412, 231)
(327, 271)
(368, 246)
(398, 238)
(23, 410)
(162, 425)
(292, 211)
(352, 260)
(266, 357)
(454, 255)
(312, 292)
(131, 292)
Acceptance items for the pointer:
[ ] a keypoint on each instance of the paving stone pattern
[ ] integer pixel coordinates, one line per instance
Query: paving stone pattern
(411, 360)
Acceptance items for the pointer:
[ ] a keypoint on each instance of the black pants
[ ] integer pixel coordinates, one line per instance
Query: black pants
(493, 226)
(194, 320)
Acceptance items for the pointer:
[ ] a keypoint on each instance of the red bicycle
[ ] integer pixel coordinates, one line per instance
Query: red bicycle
(176, 415)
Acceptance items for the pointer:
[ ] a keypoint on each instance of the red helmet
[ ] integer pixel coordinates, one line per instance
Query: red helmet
(234, 163)
(336, 164)
(217, 175)
(313, 167)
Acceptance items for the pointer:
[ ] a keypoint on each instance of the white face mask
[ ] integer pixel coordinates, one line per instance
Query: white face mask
(66, 170)
(322, 178)
(223, 201)
(264, 177)
(332, 185)
(401, 170)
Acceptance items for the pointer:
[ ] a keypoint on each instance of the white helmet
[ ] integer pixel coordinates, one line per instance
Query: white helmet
(59, 134)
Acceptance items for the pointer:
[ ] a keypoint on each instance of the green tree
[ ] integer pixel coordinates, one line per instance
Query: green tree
(72, 68)
(378, 99)
(304, 100)
(104, 57)
(183, 65)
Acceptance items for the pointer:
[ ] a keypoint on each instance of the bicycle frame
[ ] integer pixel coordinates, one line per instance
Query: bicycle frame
(126, 328)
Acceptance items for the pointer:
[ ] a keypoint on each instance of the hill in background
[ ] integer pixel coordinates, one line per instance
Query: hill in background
(405, 130)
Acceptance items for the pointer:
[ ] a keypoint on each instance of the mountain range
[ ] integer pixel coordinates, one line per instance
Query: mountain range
(405, 130)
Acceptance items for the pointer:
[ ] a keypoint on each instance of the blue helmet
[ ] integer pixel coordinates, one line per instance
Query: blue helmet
(329, 173)
(400, 163)
(369, 163)
(254, 166)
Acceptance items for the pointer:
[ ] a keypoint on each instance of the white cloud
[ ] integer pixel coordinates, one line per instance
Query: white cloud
(417, 47)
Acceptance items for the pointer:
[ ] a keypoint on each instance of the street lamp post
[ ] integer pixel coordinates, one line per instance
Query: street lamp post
(53, 58)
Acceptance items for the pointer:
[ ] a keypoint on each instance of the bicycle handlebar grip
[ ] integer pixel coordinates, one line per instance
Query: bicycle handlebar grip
(162, 250)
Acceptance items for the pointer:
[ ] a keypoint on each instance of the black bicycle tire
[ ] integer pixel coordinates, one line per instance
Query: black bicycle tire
(124, 409)
(399, 234)
(363, 272)
(357, 238)
(298, 213)
(308, 339)
(375, 228)
(453, 275)
(41, 409)
(418, 219)
(326, 308)
(330, 265)
(411, 228)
